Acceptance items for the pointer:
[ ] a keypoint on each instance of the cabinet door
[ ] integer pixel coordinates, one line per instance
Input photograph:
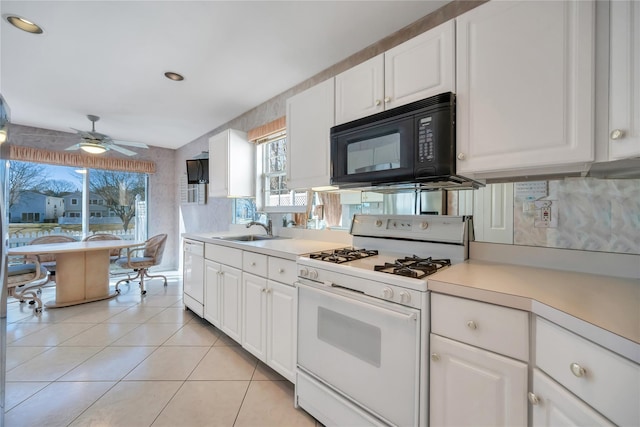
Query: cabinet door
(493, 213)
(624, 104)
(212, 292)
(360, 90)
(420, 67)
(231, 302)
(309, 120)
(471, 387)
(525, 87)
(282, 320)
(254, 309)
(218, 164)
(193, 276)
(553, 405)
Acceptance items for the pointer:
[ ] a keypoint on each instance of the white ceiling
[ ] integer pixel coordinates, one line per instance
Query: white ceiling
(108, 58)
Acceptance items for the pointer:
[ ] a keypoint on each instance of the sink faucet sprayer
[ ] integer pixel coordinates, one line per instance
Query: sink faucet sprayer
(268, 227)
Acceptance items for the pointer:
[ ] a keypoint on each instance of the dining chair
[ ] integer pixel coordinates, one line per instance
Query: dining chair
(115, 253)
(150, 255)
(48, 260)
(24, 280)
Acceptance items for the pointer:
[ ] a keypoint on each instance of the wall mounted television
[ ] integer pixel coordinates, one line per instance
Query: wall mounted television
(198, 171)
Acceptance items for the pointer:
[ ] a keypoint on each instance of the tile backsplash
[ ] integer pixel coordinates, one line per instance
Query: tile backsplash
(592, 214)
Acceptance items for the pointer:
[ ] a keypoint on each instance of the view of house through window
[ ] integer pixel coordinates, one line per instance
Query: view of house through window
(46, 199)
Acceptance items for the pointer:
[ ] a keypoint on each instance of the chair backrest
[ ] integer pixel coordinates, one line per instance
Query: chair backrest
(154, 247)
(45, 240)
(104, 236)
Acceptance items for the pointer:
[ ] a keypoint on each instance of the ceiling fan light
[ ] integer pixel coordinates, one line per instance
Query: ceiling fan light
(92, 148)
(24, 24)
(174, 76)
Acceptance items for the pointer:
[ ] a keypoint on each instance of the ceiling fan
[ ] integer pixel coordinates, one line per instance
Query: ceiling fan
(97, 143)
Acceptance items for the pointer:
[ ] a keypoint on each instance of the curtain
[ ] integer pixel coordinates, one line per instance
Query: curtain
(332, 208)
(63, 158)
(267, 131)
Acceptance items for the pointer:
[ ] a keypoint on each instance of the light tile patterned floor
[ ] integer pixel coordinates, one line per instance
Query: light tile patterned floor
(136, 361)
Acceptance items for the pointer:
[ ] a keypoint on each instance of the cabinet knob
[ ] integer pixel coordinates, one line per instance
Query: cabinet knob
(253, 264)
(268, 290)
(472, 325)
(378, 102)
(461, 156)
(435, 357)
(387, 99)
(533, 398)
(617, 134)
(281, 270)
(263, 290)
(577, 370)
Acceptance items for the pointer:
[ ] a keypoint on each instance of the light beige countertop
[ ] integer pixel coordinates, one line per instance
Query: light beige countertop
(283, 247)
(603, 309)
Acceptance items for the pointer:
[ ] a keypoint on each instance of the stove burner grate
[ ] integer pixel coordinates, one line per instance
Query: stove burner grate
(338, 256)
(415, 267)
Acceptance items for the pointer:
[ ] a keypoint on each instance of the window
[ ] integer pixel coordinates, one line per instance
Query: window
(74, 201)
(274, 194)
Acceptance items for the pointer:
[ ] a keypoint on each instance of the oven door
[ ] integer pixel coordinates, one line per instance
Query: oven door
(365, 348)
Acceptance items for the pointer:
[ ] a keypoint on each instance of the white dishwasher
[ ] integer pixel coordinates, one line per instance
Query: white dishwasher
(193, 276)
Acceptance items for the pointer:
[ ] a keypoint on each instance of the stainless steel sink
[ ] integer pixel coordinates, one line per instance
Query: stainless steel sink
(250, 238)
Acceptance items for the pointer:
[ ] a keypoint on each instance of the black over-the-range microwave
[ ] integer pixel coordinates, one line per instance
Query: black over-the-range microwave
(407, 144)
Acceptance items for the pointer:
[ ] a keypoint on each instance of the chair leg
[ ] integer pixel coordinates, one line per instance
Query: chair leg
(127, 280)
(155, 276)
(27, 293)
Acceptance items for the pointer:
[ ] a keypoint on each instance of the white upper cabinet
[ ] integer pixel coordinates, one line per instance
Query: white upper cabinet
(418, 68)
(309, 121)
(624, 86)
(525, 88)
(231, 165)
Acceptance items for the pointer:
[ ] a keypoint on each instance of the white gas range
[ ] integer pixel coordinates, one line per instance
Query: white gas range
(363, 319)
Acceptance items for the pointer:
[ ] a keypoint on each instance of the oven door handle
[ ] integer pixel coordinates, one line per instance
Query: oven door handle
(406, 313)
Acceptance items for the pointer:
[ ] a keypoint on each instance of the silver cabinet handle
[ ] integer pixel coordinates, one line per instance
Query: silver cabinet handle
(472, 325)
(533, 398)
(461, 156)
(617, 134)
(435, 357)
(577, 370)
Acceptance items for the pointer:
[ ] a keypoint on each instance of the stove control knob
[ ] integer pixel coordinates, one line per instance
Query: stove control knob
(378, 223)
(424, 225)
(405, 297)
(313, 275)
(304, 272)
(387, 293)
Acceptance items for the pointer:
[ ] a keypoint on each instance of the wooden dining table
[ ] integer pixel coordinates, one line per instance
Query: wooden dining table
(82, 269)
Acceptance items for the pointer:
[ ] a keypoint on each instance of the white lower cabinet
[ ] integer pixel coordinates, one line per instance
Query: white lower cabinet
(270, 316)
(231, 302)
(553, 405)
(212, 292)
(470, 386)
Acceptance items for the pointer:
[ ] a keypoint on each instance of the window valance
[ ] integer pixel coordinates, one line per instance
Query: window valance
(63, 158)
(267, 131)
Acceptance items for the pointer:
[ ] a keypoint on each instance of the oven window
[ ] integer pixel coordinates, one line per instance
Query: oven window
(357, 338)
(374, 154)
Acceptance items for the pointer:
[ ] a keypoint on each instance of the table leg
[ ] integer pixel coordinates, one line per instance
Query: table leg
(81, 277)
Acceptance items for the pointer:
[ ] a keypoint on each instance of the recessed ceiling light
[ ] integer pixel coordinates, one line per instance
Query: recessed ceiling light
(24, 25)
(173, 76)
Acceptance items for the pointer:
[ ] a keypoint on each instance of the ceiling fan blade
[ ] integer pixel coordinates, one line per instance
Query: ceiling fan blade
(130, 143)
(84, 134)
(120, 149)
(73, 147)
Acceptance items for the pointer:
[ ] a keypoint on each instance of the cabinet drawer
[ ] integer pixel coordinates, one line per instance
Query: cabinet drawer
(223, 255)
(254, 263)
(282, 270)
(604, 380)
(492, 327)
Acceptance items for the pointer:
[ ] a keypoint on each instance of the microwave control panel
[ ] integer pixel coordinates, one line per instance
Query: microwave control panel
(426, 149)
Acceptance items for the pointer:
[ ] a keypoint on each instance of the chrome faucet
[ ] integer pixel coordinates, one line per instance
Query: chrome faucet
(268, 227)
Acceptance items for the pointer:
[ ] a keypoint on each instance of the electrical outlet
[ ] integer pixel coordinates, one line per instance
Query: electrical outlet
(546, 214)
